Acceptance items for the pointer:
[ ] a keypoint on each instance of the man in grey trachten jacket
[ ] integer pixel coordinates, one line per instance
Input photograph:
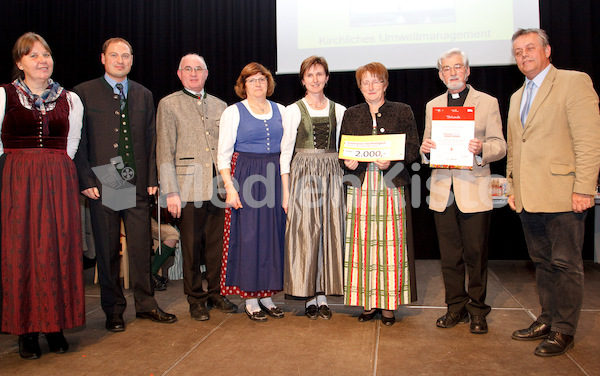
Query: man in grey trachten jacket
(187, 136)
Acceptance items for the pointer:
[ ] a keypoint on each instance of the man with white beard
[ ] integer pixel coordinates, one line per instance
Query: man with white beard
(461, 199)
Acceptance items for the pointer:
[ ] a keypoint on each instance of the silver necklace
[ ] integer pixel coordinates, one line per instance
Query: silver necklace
(317, 105)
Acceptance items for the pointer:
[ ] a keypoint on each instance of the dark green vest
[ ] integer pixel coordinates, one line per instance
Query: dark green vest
(317, 132)
(125, 143)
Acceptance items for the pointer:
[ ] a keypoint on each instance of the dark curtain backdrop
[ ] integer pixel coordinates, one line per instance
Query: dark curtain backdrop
(232, 33)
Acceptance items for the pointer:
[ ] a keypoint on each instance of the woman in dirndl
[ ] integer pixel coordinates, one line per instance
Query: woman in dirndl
(41, 250)
(313, 193)
(250, 134)
(379, 258)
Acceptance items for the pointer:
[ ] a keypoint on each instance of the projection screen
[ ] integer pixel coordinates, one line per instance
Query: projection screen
(401, 34)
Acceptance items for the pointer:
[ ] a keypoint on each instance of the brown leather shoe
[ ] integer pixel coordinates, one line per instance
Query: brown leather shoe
(537, 330)
(199, 312)
(450, 319)
(325, 312)
(312, 312)
(274, 312)
(259, 316)
(556, 344)
(222, 304)
(478, 324)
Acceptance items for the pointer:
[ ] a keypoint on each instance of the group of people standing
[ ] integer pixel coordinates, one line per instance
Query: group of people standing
(265, 204)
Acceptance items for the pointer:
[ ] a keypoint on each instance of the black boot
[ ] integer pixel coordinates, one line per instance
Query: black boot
(29, 347)
(57, 342)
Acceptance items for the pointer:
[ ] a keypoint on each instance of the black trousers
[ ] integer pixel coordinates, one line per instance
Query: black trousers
(201, 231)
(463, 239)
(106, 224)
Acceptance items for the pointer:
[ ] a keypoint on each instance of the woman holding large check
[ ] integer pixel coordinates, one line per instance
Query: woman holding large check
(379, 258)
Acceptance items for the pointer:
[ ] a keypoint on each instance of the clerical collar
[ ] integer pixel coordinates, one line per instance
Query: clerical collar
(200, 95)
(458, 99)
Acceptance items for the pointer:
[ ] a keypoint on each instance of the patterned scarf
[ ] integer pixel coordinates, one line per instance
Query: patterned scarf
(42, 103)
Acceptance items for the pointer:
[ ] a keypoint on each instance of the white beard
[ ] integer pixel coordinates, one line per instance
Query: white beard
(456, 85)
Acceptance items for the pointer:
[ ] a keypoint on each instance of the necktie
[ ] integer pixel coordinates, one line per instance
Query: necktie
(121, 95)
(527, 106)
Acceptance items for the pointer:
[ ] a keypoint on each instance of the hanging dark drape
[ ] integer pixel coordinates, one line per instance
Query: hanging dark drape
(231, 33)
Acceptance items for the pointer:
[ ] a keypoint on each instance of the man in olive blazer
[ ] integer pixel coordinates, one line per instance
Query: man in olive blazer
(187, 137)
(124, 128)
(552, 166)
(462, 199)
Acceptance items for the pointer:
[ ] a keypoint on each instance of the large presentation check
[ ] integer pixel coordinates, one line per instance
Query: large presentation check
(451, 129)
(369, 148)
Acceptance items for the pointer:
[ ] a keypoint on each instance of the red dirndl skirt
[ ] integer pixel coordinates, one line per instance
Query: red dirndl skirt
(41, 249)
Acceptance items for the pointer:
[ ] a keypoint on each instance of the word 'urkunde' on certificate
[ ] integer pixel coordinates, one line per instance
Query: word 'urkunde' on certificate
(369, 148)
(451, 129)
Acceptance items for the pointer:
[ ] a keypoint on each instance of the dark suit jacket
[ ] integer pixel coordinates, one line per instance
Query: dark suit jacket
(393, 118)
(100, 133)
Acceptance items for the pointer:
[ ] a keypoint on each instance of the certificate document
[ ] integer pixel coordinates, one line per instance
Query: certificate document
(451, 129)
(369, 148)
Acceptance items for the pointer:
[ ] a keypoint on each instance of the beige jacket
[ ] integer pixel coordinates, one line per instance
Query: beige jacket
(472, 188)
(557, 152)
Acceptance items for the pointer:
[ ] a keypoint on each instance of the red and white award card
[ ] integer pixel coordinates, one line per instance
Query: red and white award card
(451, 129)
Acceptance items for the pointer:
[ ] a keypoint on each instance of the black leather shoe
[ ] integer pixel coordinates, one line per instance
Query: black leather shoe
(450, 319)
(324, 312)
(312, 312)
(367, 316)
(158, 284)
(198, 312)
(222, 304)
(115, 322)
(157, 315)
(388, 321)
(537, 330)
(57, 342)
(478, 324)
(275, 312)
(556, 344)
(29, 346)
(163, 280)
(259, 316)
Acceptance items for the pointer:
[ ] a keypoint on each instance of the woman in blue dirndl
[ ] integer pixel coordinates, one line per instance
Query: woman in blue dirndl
(249, 147)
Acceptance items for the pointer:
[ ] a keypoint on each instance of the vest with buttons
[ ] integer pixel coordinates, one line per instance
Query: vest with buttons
(125, 143)
(23, 128)
(259, 135)
(316, 132)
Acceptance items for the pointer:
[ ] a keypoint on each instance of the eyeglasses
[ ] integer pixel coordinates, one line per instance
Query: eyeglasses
(366, 84)
(189, 69)
(456, 67)
(256, 81)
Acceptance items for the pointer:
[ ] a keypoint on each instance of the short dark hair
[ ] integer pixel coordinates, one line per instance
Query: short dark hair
(116, 40)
